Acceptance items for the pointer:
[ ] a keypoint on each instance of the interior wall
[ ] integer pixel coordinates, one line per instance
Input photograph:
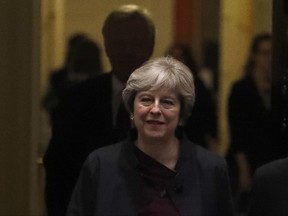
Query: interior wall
(235, 36)
(16, 24)
(262, 16)
(210, 25)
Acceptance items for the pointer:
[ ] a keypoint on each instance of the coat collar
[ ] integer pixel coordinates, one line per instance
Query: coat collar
(185, 188)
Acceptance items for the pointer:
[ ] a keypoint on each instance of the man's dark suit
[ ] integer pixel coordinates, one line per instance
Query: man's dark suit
(81, 123)
(270, 190)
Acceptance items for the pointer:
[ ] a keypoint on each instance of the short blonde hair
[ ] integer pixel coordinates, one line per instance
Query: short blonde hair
(163, 72)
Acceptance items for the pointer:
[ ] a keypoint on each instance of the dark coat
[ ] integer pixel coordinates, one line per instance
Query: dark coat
(250, 124)
(270, 190)
(81, 123)
(109, 183)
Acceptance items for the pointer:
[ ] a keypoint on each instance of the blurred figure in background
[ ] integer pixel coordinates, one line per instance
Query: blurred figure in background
(201, 126)
(91, 114)
(83, 60)
(249, 114)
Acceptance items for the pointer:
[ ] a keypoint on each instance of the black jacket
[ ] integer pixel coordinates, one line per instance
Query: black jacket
(270, 190)
(109, 183)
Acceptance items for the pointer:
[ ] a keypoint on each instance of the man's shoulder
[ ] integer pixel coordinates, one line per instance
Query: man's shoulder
(58, 76)
(243, 84)
(100, 81)
(91, 88)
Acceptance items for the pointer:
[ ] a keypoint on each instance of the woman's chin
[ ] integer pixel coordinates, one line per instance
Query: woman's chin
(155, 134)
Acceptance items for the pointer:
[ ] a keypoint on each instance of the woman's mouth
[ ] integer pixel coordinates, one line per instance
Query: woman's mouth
(154, 122)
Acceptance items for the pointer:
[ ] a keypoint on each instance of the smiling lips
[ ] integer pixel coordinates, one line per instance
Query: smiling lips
(155, 122)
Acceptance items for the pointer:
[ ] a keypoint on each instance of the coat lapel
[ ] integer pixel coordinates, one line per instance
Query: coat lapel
(186, 191)
(129, 163)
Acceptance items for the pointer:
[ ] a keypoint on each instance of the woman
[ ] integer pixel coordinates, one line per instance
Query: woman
(250, 119)
(157, 171)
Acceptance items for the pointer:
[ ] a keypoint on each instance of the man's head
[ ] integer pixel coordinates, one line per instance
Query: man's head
(129, 35)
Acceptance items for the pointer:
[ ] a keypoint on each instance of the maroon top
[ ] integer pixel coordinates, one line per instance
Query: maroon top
(155, 199)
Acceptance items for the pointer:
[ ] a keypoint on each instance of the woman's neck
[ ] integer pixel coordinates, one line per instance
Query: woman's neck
(163, 151)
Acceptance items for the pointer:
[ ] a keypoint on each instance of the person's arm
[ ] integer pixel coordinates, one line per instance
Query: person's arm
(238, 113)
(50, 99)
(244, 171)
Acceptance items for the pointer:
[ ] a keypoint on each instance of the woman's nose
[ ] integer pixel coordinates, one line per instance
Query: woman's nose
(155, 109)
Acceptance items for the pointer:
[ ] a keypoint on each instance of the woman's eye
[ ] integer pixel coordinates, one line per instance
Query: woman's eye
(168, 103)
(146, 101)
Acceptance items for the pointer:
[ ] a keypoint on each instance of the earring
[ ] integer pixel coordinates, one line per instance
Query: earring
(132, 117)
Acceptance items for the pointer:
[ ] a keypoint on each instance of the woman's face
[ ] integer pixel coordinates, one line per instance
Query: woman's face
(156, 114)
(263, 56)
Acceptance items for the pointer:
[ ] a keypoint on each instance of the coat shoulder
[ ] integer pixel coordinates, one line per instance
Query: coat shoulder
(273, 170)
(208, 159)
(109, 152)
